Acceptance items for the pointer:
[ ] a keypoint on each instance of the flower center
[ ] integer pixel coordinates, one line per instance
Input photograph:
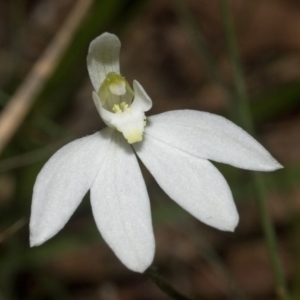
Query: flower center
(122, 108)
(115, 93)
(119, 108)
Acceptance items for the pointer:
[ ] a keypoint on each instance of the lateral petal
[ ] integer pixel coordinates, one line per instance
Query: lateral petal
(121, 207)
(63, 182)
(141, 101)
(103, 58)
(194, 183)
(210, 136)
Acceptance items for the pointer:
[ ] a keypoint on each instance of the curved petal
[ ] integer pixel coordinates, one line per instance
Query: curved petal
(105, 115)
(141, 101)
(121, 207)
(194, 183)
(212, 137)
(63, 182)
(103, 58)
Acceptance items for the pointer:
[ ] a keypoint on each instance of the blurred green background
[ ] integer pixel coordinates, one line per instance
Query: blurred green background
(177, 51)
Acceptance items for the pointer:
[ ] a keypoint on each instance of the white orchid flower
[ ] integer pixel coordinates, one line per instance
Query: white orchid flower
(175, 146)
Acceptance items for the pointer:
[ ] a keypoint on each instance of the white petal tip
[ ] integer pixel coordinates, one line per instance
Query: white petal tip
(140, 263)
(35, 242)
(140, 267)
(278, 166)
(39, 239)
(272, 166)
(234, 224)
(230, 224)
(32, 244)
(233, 227)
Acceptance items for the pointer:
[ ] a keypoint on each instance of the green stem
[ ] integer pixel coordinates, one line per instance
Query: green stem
(240, 86)
(163, 285)
(270, 235)
(247, 123)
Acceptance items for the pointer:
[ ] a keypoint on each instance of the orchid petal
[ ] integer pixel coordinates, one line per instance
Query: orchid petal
(209, 136)
(105, 115)
(141, 101)
(103, 58)
(63, 182)
(194, 183)
(121, 207)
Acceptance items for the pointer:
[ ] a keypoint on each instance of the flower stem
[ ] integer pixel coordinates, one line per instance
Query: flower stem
(247, 122)
(240, 86)
(163, 285)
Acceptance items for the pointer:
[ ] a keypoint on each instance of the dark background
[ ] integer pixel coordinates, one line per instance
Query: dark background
(164, 56)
